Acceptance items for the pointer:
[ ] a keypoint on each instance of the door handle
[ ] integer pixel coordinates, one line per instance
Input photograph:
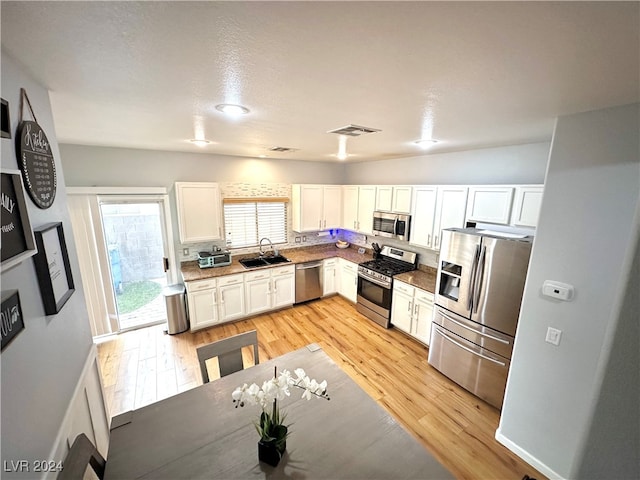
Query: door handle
(472, 277)
(484, 357)
(478, 283)
(165, 264)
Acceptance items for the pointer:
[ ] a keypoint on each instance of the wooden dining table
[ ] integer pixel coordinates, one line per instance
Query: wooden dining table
(200, 434)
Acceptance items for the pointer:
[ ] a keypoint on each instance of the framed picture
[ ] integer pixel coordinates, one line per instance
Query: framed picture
(11, 322)
(5, 120)
(16, 237)
(52, 267)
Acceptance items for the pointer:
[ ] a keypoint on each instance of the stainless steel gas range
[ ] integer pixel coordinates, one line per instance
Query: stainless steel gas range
(375, 281)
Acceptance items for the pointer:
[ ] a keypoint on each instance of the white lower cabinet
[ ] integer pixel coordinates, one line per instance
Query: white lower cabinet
(269, 288)
(203, 303)
(330, 278)
(231, 297)
(348, 279)
(412, 310)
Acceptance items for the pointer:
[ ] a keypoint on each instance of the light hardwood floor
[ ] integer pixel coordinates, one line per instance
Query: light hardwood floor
(144, 366)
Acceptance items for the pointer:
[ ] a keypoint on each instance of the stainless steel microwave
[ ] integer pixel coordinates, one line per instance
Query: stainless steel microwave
(392, 225)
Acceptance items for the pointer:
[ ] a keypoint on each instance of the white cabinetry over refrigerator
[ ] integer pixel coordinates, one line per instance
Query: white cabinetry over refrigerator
(198, 206)
(490, 204)
(526, 205)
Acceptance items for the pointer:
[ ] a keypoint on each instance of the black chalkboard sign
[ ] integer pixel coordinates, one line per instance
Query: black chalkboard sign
(11, 322)
(16, 240)
(36, 163)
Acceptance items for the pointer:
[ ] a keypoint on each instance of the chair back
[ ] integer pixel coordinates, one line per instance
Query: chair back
(81, 454)
(229, 353)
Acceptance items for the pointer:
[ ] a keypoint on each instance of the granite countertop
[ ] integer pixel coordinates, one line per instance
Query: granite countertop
(424, 278)
(191, 271)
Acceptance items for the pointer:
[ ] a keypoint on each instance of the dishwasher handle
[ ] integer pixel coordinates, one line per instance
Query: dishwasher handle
(304, 266)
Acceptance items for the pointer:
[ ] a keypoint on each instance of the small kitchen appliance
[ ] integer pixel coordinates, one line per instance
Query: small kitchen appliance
(479, 286)
(217, 258)
(391, 225)
(375, 280)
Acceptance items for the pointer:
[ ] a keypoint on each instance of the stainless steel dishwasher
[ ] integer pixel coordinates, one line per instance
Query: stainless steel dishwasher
(308, 281)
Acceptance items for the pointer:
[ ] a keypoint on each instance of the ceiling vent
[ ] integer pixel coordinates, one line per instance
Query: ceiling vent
(282, 149)
(354, 130)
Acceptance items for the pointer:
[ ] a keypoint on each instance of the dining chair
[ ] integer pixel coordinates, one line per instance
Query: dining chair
(82, 454)
(229, 353)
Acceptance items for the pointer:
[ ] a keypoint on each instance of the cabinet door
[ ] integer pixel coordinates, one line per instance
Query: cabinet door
(490, 204)
(283, 290)
(350, 207)
(451, 206)
(231, 304)
(203, 308)
(527, 206)
(306, 207)
(384, 198)
(349, 280)
(401, 199)
(329, 277)
(198, 206)
(366, 207)
(422, 315)
(401, 309)
(423, 216)
(258, 295)
(332, 206)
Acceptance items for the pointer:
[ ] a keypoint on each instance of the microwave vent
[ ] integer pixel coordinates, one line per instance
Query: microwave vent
(354, 130)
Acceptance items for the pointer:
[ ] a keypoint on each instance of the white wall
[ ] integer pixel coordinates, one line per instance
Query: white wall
(513, 164)
(587, 236)
(42, 365)
(121, 167)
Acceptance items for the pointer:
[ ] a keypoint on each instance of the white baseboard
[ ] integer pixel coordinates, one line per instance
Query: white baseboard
(527, 457)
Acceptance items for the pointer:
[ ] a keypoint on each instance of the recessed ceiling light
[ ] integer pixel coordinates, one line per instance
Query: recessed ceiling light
(426, 143)
(201, 142)
(230, 109)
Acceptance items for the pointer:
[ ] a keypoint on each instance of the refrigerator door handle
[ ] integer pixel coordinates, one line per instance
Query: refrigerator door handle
(447, 337)
(477, 284)
(474, 267)
(441, 313)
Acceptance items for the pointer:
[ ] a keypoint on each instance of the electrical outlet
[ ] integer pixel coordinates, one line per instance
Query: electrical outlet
(185, 252)
(297, 239)
(304, 238)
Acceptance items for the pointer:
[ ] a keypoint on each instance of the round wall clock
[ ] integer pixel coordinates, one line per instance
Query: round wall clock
(36, 163)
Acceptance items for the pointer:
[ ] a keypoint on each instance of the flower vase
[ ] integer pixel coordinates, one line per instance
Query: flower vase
(271, 452)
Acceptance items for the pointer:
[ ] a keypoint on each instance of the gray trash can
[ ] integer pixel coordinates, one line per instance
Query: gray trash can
(174, 296)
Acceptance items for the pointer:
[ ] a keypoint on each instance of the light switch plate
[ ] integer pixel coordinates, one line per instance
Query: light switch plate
(553, 336)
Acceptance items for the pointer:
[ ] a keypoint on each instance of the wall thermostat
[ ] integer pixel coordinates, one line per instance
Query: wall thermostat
(557, 290)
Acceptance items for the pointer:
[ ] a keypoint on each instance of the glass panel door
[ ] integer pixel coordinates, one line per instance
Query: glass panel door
(134, 234)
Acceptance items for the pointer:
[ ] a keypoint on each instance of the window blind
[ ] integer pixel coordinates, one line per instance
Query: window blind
(246, 222)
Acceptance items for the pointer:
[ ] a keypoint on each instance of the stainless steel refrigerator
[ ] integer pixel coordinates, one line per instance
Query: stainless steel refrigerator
(479, 288)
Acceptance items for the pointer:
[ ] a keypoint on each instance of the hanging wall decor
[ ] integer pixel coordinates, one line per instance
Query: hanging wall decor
(35, 158)
(11, 322)
(16, 237)
(5, 120)
(52, 267)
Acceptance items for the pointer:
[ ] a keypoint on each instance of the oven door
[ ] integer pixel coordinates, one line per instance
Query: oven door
(374, 296)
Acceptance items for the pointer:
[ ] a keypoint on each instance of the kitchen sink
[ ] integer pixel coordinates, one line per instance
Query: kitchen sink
(263, 261)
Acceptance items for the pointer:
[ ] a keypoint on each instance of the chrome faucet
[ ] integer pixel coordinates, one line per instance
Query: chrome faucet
(260, 244)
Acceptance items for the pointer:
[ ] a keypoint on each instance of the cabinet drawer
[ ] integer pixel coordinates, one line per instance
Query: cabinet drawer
(201, 285)
(230, 280)
(331, 262)
(422, 296)
(288, 270)
(257, 275)
(403, 287)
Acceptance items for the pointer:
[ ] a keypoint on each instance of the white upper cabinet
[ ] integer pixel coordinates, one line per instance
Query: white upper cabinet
(358, 205)
(316, 207)
(396, 199)
(434, 209)
(490, 204)
(198, 206)
(526, 206)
